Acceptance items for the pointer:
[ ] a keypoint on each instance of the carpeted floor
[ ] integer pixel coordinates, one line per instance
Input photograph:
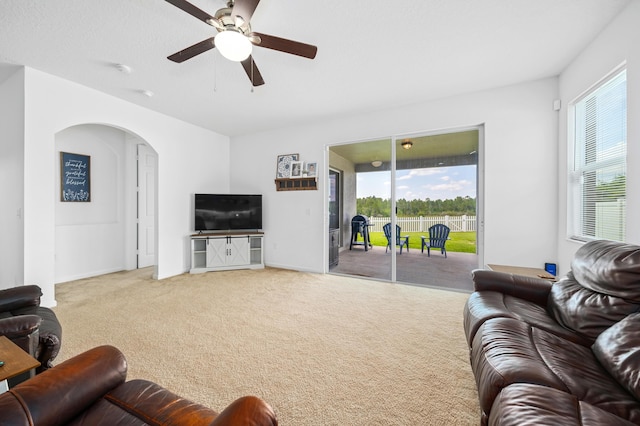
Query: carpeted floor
(321, 349)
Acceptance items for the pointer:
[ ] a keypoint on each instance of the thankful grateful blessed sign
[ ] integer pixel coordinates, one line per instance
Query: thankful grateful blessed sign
(75, 181)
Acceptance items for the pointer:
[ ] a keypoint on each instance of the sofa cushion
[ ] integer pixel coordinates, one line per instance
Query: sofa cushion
(584, 311)
(525, 404)
(602, 288)
(507, 351)
(484, 305)
(610, 268)
(618, 350)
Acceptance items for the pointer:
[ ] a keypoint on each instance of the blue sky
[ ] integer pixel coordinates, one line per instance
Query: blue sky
(442, 183)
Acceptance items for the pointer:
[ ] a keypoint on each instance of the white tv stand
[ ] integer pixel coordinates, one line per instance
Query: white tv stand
(225, 251)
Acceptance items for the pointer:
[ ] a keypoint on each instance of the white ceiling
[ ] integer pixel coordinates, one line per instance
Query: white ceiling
(372, 54)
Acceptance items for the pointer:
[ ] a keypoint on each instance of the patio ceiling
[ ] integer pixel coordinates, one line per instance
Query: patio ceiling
(440, 150)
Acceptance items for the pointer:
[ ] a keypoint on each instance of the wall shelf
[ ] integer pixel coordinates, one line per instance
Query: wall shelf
(297, 184)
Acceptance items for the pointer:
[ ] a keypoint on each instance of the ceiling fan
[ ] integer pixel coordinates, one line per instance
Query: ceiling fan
(235, 38)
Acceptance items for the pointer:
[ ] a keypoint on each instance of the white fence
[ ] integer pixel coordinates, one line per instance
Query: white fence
(422, 223)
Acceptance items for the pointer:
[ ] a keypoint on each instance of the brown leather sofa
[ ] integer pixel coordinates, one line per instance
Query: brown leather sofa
(90, 389)
(34, 328)
(564, 353)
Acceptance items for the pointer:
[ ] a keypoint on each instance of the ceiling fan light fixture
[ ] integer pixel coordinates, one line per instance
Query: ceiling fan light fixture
(233, 45)
(376, 163)
(406, 144)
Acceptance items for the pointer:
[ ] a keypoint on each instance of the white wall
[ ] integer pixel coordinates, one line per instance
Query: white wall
(90, 236)
(190, 159)
(616, 44)
(521, 194)
(11, 180)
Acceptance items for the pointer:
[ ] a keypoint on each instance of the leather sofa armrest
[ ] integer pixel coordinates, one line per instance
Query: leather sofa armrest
(19, 297)
(24, 331)
(154, 405)
(533, 289)
(57, 395)
(19, 326)
(248, 410)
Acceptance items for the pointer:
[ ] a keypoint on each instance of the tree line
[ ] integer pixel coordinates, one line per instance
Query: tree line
(375, 206)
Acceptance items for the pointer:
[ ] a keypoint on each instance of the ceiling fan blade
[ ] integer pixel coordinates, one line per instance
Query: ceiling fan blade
(192, 51)
(192, 10)
(252, 71)
(285, 45)
(244, 8)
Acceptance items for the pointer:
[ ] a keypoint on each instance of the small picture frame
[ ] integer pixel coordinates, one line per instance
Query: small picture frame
(312, 169)
(296, 169)
(283, 166)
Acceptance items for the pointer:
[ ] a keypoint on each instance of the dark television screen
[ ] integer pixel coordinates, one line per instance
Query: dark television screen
(226, 212)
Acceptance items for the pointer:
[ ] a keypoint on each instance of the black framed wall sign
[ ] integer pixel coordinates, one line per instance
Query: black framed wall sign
(75, 177)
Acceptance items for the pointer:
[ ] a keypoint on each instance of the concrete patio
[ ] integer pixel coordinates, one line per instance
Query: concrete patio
(413, 267)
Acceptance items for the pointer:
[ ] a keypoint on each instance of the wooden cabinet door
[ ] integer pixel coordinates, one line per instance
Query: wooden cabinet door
(238, 251)
(217, 252)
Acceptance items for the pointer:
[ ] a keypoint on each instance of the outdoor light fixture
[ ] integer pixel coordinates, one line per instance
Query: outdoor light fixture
(376, 163)
(406, 144)
(233, 45)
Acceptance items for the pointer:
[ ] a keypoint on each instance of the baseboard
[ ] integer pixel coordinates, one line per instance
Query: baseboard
(87, 275)
(292, 268)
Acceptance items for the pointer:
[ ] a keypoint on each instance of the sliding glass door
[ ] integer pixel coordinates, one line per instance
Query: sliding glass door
(435, 193)
(365, 169)
(404, 185)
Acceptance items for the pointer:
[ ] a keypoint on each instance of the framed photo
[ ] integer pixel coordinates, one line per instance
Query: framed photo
(296, 169)
(75, 177)
(283, 167)
(312, 169)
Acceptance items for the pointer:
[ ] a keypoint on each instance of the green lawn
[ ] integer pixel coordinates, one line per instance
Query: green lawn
(463, 242)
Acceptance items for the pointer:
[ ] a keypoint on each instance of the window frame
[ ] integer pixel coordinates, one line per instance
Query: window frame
(575, 193)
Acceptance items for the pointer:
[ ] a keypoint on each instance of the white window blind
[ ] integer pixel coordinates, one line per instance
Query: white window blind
(598, 178)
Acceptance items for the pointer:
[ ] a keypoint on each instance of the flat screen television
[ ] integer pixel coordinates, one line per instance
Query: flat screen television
(228, 212)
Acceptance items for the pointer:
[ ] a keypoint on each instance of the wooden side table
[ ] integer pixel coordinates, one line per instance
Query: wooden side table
(523, 270)
(16, 361)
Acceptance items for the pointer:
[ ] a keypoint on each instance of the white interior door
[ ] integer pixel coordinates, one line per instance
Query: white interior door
(147, 160)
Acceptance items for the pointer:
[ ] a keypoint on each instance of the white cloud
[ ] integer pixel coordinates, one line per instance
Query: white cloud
(422, 172)
(453, 186)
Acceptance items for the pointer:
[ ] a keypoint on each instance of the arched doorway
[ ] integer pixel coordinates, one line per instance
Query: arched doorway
(102, 235)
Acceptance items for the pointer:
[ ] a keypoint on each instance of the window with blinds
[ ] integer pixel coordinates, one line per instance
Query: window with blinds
(598, 179)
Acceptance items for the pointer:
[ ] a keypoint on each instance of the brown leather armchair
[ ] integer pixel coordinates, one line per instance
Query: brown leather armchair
(90, 389)
(34, 328)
